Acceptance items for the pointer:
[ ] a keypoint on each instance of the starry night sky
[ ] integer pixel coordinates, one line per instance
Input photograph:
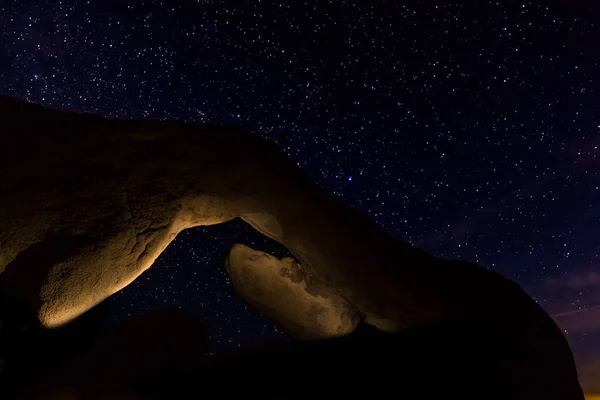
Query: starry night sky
(471, 132)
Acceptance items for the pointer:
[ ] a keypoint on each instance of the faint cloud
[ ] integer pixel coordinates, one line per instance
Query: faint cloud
(576, 281)
(585, 320)
(576, 300)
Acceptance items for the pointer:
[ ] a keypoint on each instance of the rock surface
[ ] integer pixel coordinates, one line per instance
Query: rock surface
(164, 342)
(88, 203)
(283, 291)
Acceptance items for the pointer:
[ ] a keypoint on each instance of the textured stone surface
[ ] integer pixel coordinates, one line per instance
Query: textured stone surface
(88, 203)
(281, 290)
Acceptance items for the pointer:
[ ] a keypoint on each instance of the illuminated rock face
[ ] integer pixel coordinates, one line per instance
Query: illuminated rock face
(88, 203)
(282, 291)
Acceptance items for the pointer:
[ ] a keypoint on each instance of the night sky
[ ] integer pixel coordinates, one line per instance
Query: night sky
(471, 132)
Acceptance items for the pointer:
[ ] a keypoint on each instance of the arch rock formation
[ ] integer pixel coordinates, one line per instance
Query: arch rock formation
(88, 203)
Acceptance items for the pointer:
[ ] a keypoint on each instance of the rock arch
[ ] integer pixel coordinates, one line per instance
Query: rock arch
(88, 203)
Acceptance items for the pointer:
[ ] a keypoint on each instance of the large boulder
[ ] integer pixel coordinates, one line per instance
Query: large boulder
(281, 290)
(88, 203)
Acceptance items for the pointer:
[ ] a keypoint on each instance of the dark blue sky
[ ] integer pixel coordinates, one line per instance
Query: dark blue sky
(472, 132)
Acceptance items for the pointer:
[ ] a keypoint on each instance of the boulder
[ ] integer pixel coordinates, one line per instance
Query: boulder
(304, 307)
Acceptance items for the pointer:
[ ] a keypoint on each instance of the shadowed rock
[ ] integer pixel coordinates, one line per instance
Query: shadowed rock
(88, 203)
(164, 342)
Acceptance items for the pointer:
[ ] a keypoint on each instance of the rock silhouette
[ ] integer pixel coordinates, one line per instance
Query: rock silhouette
(428, 362)
(162, 343)
(88, 203)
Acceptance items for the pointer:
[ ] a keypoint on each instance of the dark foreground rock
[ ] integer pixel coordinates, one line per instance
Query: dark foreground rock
(162, 356)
